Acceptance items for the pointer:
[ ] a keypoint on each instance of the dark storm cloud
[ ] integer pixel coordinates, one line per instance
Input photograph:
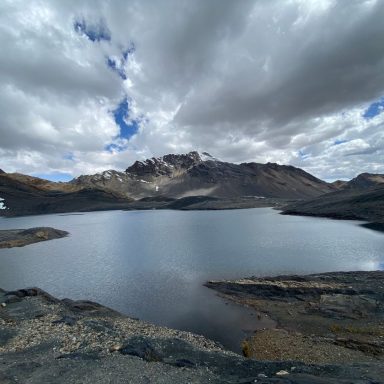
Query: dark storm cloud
(323, 66)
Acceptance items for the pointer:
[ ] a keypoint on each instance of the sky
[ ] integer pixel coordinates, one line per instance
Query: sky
(87, 86)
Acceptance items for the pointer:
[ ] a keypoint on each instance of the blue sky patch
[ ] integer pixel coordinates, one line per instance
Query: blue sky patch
(94, 32)
(54, 176)
(374, 109)
(69, 156)
(116, 67)
(126, 52)
(303, 155)
(117, 64)
(120, 114)
(128, 128)
(115, 147)
(340, 141)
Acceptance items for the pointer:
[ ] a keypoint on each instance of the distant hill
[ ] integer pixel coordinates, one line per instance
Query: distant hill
(158, 182)
(25, 195)
(365, 180)
(364, 203)
(339, 184)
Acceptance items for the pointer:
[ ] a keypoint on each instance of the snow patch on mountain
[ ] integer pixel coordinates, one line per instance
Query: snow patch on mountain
(205, 156)
(2, 203)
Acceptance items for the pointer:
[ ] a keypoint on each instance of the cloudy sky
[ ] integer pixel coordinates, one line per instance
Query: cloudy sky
(92, 85)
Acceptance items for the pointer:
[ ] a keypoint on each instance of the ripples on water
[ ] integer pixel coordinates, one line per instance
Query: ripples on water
(152, 264)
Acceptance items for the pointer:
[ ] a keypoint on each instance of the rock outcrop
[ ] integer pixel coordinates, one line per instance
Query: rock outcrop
(323, 318)
(45, 340)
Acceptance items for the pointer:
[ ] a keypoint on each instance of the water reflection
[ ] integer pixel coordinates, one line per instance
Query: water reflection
(152, 264)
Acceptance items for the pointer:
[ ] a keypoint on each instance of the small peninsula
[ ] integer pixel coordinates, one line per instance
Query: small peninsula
(10, 238)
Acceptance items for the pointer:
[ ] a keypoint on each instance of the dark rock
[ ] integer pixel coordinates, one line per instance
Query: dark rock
(103, 326)
(184, 363)
(86, 306)
(142, 348)
(6, 335)
(163, 166)
(67, 320)
(79, 356)
(28, 292)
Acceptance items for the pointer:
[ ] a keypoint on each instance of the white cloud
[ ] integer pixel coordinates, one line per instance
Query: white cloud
(247, 81)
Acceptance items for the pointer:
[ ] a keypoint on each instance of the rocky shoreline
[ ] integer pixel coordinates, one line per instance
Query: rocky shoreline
(10, 238)
(46, 340)
(329, 318)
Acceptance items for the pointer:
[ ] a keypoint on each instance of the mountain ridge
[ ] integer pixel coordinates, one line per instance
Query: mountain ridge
(173, 181)
(191, 174)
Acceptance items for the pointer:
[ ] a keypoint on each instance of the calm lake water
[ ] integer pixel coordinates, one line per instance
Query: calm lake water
(152, 264)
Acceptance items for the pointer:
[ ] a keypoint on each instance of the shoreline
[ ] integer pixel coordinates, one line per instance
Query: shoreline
(46, 340)
(199, 203)
(192, 203)
(10, 238)
(323, 318)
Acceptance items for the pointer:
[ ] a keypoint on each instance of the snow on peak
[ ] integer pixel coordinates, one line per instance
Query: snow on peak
(2, 203)
(205, 156)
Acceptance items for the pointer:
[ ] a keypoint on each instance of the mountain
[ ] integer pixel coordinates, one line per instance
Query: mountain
(361, 198)
(339, 184)
(26, 195)
(365, 203)
(38, 183)
(365, 180)
(192, 174)
(196, 181)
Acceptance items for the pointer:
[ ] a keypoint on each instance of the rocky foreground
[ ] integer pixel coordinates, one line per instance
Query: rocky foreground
(10, 238)
(330, 318)
(46, 340)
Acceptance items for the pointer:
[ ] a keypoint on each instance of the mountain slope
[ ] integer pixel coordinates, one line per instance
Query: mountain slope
(365, 180)
(193, 174)
(363, 204)
(22, 198)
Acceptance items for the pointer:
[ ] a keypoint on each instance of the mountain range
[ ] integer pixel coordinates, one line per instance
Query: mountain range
(180, 181)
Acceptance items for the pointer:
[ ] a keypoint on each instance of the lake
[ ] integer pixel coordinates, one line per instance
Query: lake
(152, 264)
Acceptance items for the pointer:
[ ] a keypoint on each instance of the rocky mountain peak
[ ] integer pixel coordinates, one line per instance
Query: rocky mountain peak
(205, 156)
(1, 171)
(165, 165)
(366, 180)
